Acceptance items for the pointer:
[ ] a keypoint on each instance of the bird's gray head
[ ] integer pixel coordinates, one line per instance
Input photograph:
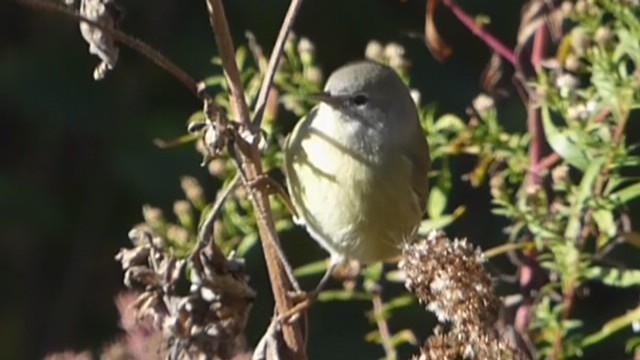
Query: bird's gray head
(371, 93)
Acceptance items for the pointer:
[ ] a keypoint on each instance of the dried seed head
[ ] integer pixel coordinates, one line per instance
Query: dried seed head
(449, 278)
(101, 44)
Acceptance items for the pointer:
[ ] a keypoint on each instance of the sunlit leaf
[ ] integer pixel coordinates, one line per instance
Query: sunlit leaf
(585, 192)
(398, 302)
(438, 196)
(613, 276)
(313, 268)
(564, 142)
(628, 193)
(343, 295)
(405, 336)
(428, 225)
(606, 222)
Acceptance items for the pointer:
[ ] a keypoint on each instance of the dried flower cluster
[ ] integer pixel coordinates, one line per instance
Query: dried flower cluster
(201, 302)
(467, 343)
(101, 44)
(450, 279)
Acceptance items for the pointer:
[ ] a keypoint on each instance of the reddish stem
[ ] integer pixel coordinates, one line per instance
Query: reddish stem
(492, 42)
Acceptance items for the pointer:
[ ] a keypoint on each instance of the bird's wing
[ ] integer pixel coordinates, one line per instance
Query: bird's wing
(417, 151)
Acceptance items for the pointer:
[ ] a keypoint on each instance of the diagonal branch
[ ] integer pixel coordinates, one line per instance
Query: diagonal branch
(227, 51)
(276, 53)
(252, 167)
(492, 42)
(127, 40)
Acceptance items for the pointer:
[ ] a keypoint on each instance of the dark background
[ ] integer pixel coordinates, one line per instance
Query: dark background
(77, 160)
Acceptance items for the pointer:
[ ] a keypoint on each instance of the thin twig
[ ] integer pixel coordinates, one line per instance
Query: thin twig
(547, 162)
(250, 157)
(274, 59)
(206, 229)
(383, 327)
(227, 51)
(127, 40)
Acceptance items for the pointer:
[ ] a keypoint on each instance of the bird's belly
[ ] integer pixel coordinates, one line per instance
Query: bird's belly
(354, 205)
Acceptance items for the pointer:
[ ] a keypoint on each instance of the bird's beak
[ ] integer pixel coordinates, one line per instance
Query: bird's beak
(327, 98)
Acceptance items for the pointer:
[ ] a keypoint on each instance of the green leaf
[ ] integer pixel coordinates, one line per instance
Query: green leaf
(246, 244)
(313, 268)
(428, 225)
(448, 122)
(402, 337)
(398, 302)
(612, 326)
(613, 276)
(629, 193)
(343, 295)
(563, 142)
(373, 272)
(437, 202)
(395, 276)
(606, 222)
(585, 192)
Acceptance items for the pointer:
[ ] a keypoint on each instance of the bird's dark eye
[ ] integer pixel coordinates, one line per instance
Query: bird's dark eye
(360, 99)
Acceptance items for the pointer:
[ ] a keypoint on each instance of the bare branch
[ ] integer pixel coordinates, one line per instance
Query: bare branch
(276, 53)
(129, 41)
(227, 52)
(252, 168)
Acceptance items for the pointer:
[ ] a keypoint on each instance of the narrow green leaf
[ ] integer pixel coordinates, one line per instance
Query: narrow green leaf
(398, 302)
(613, 276)
(629, 193)
(606, 222)
(563, 142)
(448, 122)
(403, 337)
(313, 268)
(246, 244)
(428, 225)
(343, 295)
(612, 326)
(585, 191)
(437, 202)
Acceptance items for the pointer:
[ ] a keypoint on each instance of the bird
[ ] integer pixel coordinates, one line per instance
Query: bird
(357, 165)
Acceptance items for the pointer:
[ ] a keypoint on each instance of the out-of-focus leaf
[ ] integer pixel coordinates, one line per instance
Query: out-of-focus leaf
(629, 193)
(246, 244)
(373, 272)
(343, 295)
(606, 222)
(585, 191)
(501, 249)
(438, 48)
(448, 122)
(373, 337)
(437, 201)
(313, 268)
(402, 337)
(612, 326)
(182, 140)
(563, 142)
(428, 225)
(396, 276)
(398, 302)
(613, 276)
